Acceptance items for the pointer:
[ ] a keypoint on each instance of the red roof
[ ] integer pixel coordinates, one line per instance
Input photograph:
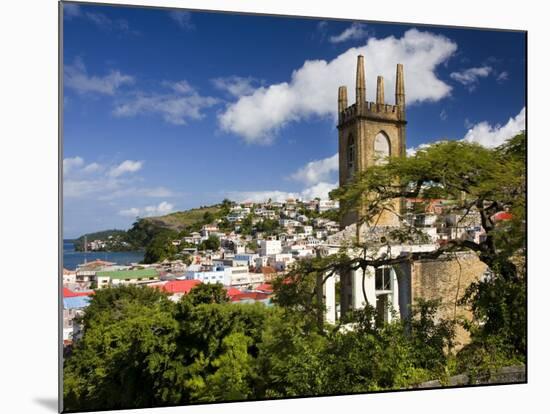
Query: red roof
(502, 216)
(233, 292)
(68, 293)
(179, 286)
(268, 269)
(265, 287)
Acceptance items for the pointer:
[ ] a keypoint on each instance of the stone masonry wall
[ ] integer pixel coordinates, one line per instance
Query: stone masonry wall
(447, 279)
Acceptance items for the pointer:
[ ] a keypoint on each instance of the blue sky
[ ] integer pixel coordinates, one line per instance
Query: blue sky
(168, 110)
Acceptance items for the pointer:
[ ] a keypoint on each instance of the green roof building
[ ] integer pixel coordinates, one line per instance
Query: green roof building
(116, 277)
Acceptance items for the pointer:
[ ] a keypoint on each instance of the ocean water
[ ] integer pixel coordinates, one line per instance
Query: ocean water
(72, 258)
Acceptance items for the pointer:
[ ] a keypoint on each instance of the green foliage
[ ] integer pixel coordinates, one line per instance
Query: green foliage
(212, 243)
(375, 355)
(252, 246)
(139, 349)
(207, 217)
(207, 293)
(160, 247)
(431, 341)
(231, 380)
(226, 206)
(480, 359)
(245, 226)
(191, 220)
(125, 354)
(219, 344)
(292, 358)
(142, 233)
(268, 226)
(500, 313)
(300, 290)
(333, 215)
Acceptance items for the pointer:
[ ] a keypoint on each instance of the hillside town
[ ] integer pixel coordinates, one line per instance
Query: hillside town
(245, 264)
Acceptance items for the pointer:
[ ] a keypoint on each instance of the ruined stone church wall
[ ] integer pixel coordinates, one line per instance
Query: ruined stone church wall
(447, 279)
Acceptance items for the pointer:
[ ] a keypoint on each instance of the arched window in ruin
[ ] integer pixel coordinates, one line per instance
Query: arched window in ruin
(381, 148)
(351, 156)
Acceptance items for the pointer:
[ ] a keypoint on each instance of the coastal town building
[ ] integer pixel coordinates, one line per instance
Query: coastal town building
(270, 247)
(209, 274)
(125, 277)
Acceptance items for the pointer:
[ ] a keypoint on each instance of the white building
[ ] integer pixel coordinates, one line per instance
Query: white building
(240, 276)
(280, 261)
(270, 247)
(209, 274)
(245, 259)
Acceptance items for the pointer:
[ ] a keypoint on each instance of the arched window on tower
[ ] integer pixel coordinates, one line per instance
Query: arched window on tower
(381, 148)
(351, 156)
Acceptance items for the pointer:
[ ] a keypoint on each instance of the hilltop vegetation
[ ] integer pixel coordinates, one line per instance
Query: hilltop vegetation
(190, 220)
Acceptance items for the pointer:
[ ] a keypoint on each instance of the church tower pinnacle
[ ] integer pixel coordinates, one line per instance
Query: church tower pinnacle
(369, 133)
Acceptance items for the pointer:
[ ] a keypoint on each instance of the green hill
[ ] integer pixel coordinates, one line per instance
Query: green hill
(145, 230)
(186, 220)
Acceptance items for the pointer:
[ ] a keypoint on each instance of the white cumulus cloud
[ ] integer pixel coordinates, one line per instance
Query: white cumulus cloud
(176, 107)
(312, 88)
(127, 166)
(492, 136)
(149, 211)
(317, 177)
(260, 196)
(103, 22)
(355, 32)
(470, 77)
(315, 171)
(485, 134)
(319, 190)
(130, 212)
(76, 77)
(70, 164)
(236, 86)
(502, 76)
(96, 181)
(92, 167)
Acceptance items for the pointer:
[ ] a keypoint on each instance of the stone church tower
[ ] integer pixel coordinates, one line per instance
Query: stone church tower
(369, 132)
